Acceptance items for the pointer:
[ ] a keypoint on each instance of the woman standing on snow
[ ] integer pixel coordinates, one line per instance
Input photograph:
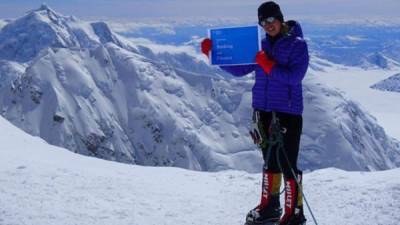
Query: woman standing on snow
(280, 69)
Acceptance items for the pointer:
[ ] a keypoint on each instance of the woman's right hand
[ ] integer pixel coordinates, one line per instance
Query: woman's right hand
(265, 62)
(206, 46)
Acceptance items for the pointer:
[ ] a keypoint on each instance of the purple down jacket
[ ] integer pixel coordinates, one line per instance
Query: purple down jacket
(281, 90)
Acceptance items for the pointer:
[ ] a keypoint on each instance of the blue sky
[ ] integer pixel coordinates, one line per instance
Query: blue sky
(131, 9)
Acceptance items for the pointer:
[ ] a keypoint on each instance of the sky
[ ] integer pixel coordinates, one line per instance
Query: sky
(153, 9)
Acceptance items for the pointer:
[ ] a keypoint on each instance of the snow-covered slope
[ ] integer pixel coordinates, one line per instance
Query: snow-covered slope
(389, 84)
(107, 100)
(2, 23)
(43, 184)
(338, 131)
(96, 93)
(355, 83)
(379, 60)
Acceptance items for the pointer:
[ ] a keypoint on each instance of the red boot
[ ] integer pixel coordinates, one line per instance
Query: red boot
(269, 209)
(294, 214)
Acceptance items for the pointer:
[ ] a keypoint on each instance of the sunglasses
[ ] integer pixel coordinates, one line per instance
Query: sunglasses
(266, 21)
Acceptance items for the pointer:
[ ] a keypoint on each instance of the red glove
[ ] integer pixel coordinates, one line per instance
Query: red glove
(265, 62)
(206, 46)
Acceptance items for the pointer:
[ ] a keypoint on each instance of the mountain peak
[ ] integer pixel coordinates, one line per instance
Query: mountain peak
(44, 6)
(46, 14)
(19, 38)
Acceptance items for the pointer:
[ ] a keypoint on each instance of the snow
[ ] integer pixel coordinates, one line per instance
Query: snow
(44, 184)
(24, 38)
(355, 38)
(337, 131)
(390, 84)
(356, 82)
(171, 49)
(2, 23)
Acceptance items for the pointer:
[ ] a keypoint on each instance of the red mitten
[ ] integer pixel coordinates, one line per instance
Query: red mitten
(265, 62)
(206, 46)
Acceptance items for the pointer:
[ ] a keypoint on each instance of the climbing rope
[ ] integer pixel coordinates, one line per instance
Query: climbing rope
(276, 139)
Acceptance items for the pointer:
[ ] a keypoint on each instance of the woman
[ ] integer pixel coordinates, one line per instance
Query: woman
(280, 69)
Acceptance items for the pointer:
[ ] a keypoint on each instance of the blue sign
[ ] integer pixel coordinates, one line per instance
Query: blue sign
(234, 45)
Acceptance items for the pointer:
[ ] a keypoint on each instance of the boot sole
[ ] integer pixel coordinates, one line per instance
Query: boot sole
(273, 222)
(265, 223)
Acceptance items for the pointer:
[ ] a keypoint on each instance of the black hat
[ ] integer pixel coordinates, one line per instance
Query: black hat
(270, 9)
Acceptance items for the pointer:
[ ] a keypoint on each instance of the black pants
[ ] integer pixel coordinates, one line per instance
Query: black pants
(276, 161)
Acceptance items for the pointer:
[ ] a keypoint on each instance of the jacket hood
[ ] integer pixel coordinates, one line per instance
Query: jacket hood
(294, 29)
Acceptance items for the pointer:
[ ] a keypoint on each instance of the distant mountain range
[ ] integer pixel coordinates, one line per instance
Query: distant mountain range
(82, 86)
(367, 44)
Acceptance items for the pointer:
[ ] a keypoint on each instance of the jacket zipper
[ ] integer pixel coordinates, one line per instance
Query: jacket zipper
(266, 93)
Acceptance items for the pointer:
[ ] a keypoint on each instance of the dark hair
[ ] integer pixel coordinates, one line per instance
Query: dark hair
(270, 9)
